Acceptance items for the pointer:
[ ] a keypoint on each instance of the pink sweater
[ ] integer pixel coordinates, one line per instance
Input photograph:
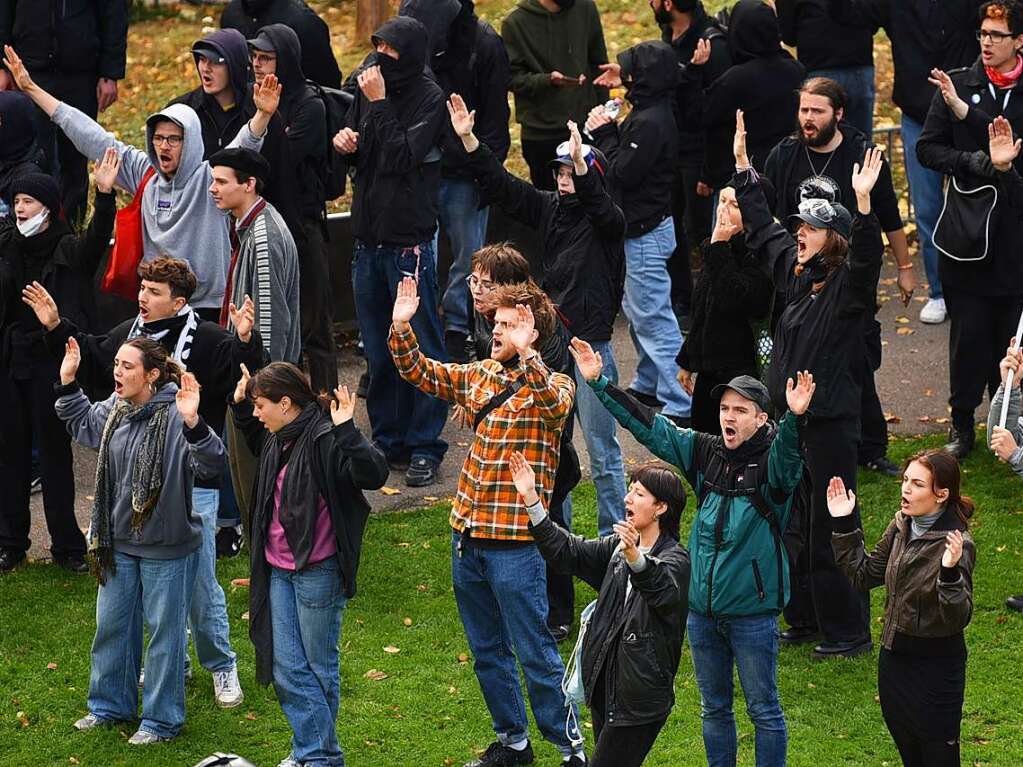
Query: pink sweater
(278, 552)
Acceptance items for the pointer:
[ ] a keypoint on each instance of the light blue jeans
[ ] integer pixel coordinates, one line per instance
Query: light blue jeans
(598, 427)
(652, 323)
(207, 611)
(925, 192)
(751, 645)
(305, 611)
(858, 83)
(466, 229)
(156, 590)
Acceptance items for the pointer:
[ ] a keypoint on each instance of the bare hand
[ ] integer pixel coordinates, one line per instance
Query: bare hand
(726, 228)
(342, 406)
(267, 94)
(1002, 149)
(864, 178)
(524, 478)
(462, 120)
(841, 502)
(703, 189)
(523, 334)
(243, 382)
(943, 83)
(597, 117)
(187, 400)
(702, 53)
(1002, 443)
(106, 93)
(953, 549)
(72, 359)
(346, 141)
(611, 77)
(629, 536)
(588, 361)
(372, 84)
(6, 81)
(1013, 360)
(739, 142)
(687, 380)
(243, 319)
(561, 81)
(16, 68)
(907, 284)
(799, 394)
(575, 149)
(406, 303)
(105, 171)
(41, 302)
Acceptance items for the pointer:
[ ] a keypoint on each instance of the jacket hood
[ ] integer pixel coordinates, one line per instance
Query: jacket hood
(255, 7)
(753, 31)
(191, 146)
(289, 59)
(437, 16)
(653, 68)
(230, 43)
(533, 6)
(409, 37)
(17, 131)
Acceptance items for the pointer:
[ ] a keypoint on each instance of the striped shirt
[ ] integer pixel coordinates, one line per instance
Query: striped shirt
(486, 502)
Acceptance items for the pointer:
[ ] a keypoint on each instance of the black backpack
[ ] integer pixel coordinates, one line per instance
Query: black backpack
(336, 103)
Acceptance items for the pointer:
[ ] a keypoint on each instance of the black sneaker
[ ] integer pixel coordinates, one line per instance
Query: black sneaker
(883, 466)
(574, 761)
(229, 542)
(10, 559)
(421, 472)
(827, 650)
(457, 346)
(73, 563)
(499, 755)
(960, 441)
(1015, 602)
(643, 398)
(560, 633)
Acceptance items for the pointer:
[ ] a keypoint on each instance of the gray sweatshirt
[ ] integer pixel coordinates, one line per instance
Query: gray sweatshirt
(1013, 423)
(172, 530)
(179, 218)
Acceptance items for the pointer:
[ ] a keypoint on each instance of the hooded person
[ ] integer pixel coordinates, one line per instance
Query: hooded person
(178, 217)
(468, 58)
(763, 81)
(390, 142)
(318, 61)
(19, 150)
(641, 157)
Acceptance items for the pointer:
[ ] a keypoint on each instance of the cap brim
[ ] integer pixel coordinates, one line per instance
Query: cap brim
(559, 161)
(261, 44)
(806, 218)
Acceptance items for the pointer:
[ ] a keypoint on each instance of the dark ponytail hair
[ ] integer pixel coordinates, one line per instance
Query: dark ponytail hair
(945, 475)
(664, 485)
(278, 380)
(155, 356)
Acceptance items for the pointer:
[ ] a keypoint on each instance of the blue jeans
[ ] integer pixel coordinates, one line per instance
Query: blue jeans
(207, 608)
(598, 428)
(502, 599)
(406, 422)
(925, 192)
(305, 611)
(652, 323)
(858, 83)
(466, 228)
(156, 590)
(751, 644)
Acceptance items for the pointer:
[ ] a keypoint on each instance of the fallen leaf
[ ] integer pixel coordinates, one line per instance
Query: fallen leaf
(430, 498)
(22, 718)
(902, 320)
(941, 420)
(887, 281)
(390, 490)
(921, 299)
(245, 615)
(422, 587)
(52, 666)
(452, 690)
(375, 675)
(999, 549)
(407, 621)
(892, 418)
(928, 392)
(392, 649)
(404, 545)
(73, 760)
(904, 331)
(924, 418)
(251, 716)
(463, 658)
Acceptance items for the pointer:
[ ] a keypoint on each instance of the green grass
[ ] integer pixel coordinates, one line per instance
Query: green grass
(428, 711)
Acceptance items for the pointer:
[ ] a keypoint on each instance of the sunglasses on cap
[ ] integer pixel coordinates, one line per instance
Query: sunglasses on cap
(822, 210)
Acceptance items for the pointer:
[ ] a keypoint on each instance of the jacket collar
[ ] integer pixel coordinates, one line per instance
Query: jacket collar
(947, 522)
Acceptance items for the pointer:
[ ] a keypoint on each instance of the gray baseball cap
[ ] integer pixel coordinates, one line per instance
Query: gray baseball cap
(824, 214)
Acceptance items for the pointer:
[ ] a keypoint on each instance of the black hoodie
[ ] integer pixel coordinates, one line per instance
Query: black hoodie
(763, 82)
(19, 150)
(468, 58)
(642, 153)
(318, 61)
(396, 168)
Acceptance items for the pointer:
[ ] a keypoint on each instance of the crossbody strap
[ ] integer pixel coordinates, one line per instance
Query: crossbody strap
(497, 400)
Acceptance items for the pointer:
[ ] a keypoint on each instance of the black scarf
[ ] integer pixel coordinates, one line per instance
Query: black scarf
(753, 447)
(300, 496)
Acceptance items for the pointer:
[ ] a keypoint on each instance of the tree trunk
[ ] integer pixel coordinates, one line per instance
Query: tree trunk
(369, 15)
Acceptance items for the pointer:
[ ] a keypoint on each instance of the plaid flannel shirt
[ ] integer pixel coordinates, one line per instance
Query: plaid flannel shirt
(532, 420)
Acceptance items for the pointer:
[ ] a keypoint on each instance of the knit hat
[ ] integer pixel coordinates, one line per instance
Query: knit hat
(40, 187)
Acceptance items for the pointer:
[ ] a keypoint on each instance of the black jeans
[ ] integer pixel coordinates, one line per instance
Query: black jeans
(561, 586)
(692, 216)
(979, 331)
(28, 416)
(316, 308)
(619, 746)
(538, 155)
(821, 594)
(873, 427)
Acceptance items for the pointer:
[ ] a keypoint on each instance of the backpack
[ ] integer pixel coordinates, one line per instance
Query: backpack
(336, 103)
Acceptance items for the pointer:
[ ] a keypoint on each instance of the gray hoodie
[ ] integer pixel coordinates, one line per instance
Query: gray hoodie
(172, 530)
(178, 215)
(1013, 423)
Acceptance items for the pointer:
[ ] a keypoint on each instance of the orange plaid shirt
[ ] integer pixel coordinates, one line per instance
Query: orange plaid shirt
(486, 502)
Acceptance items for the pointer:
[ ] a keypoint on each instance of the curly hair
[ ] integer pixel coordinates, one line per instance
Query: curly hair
(170, 271)
(545, 316)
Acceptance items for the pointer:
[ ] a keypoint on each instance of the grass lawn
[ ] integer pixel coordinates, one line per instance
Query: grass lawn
(428, 709)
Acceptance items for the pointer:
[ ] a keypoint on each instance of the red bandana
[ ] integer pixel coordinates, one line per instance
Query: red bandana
(1005, 79)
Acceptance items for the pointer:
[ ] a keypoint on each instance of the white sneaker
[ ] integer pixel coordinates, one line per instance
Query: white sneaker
(227, 690)
(934, 312)
(88, 722)
(143, 738)
(289, 761)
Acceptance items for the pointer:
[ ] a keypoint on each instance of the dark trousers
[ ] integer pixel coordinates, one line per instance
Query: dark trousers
(618, 746)
(68, 166)
(692, 216)
(873, 427)
(704, 411)
(560, 586)
(27, 417)
(316, 308)
(821, 594)
(979, 331)
(538, 155)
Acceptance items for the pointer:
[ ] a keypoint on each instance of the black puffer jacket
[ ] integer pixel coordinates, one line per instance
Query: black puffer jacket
(583, 236)
(318, 61)
(67, 35)
(396, 169)
(822, 326)
(643, 151)
(635, 643)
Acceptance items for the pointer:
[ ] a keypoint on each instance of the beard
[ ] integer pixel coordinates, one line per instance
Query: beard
(662, 15)
(822, 137)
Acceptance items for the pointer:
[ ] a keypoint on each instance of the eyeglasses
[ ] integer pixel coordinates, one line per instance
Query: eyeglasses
(476, 283)
(263, 58)
(159, 138)
(995, 37)
(821, 210)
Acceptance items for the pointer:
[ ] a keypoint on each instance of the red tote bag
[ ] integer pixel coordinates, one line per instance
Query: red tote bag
(121, 277)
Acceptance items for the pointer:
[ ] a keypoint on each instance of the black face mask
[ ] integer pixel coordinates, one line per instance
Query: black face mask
(565, 4)
(389, 67)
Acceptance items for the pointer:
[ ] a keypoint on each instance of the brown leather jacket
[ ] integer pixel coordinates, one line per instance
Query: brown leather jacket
(923, 598)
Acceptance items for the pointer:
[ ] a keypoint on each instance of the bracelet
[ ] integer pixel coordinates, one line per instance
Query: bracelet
(905, 267)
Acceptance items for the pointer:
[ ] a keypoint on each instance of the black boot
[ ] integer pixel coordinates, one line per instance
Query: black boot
(1015, 603)
(961, 439)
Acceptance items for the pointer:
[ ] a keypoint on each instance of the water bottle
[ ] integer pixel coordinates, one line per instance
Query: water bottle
(612, 107)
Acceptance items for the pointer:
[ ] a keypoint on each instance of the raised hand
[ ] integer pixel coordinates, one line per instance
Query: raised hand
(953, 549)
(342, 406)
(611, 76)
(18, 71)
(1002, 149)
(575, 149)
(687, 380)
(72, 359)
(799, 394)
(371, 83)
(346, 141)
(462, 120)
(629, 536)
(187, 400)
(267, 94)
(524, 333)
(739, 142)
(944, 83)
(105, 171)
(243, 382)
(864, 178)
(1013, 360)
(1002, 443)
(702, 53)
(588, 361)
(243, 319)
(725, 228)
(41, 302)
(524, 478)
(406, 303)
(841, 502)
(597, 117)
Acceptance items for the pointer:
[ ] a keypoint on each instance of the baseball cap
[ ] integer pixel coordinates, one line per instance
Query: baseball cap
(748, 387)
(824, 214)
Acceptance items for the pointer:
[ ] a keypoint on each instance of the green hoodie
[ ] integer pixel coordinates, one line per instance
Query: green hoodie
(540, 42)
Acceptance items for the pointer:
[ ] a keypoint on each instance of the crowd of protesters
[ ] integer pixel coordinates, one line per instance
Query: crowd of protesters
(734, 215)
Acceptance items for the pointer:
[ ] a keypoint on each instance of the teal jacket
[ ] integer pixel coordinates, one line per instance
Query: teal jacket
(737, 568)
